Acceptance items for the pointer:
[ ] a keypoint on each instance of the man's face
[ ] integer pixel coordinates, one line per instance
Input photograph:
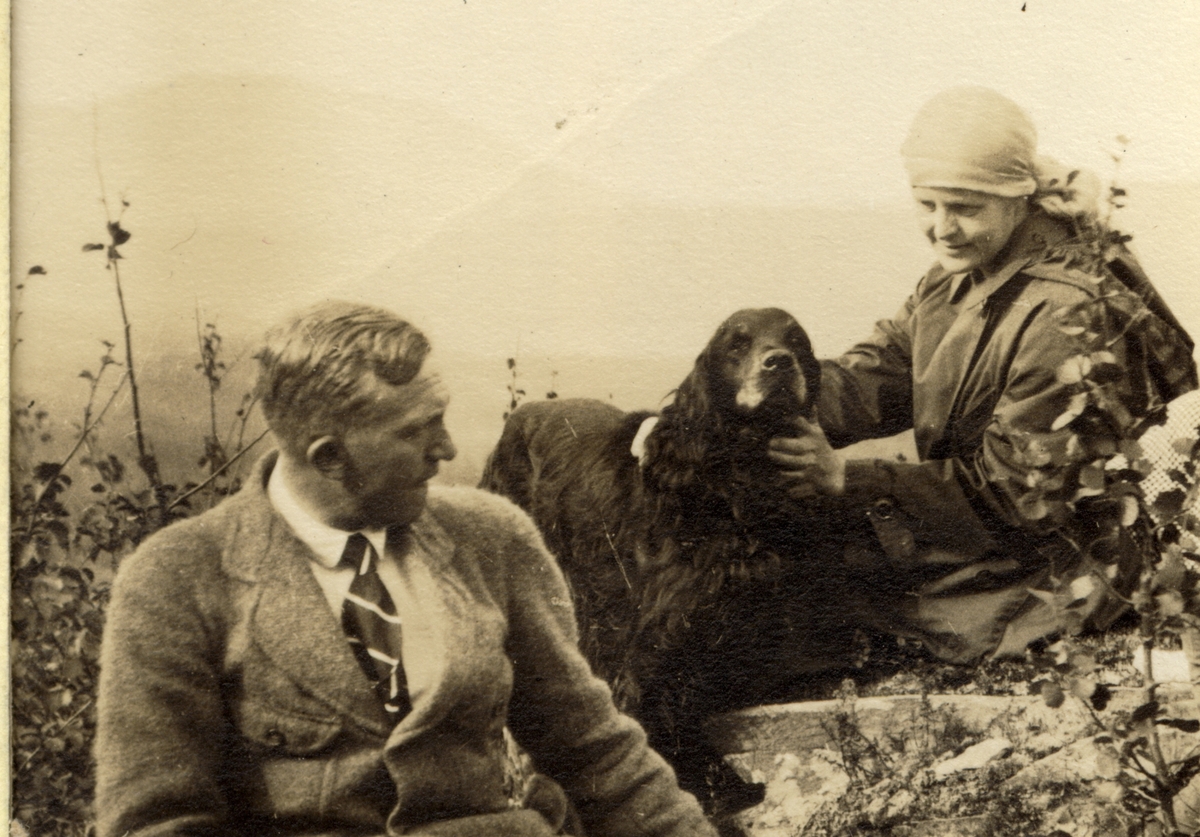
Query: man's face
(391, 455)
(967, 229)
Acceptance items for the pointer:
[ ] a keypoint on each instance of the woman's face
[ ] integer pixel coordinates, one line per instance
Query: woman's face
(967, 229)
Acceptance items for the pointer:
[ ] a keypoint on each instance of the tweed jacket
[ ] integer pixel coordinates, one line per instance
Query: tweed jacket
(967, 362)
(230, 702)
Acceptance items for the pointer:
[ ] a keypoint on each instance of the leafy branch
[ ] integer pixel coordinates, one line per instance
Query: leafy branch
(118, 236)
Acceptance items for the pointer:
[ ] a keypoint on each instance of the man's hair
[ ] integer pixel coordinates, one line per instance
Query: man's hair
(321, 369)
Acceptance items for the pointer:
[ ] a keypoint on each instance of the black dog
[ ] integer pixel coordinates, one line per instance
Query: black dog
(699, 584)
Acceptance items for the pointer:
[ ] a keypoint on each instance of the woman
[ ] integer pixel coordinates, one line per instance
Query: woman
(1028, 353)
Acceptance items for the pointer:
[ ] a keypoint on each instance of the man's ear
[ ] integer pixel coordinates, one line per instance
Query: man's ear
(327, 455)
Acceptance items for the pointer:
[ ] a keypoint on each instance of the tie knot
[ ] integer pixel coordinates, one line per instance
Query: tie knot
(358, 553)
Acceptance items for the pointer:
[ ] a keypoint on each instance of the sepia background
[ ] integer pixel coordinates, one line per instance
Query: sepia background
(587, 188)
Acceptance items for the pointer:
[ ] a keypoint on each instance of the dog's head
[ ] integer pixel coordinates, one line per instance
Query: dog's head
(759, 367)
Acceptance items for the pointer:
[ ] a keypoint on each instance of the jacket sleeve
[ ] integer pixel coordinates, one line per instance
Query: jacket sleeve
(867, 393)
(160, 724)
(565, 716)
(1032, 464)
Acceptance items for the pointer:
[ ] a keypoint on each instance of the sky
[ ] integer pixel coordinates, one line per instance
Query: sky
(545, 180)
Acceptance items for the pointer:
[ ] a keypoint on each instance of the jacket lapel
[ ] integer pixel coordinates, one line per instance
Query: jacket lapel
(429, 545)
(294, 625)
(290, 620)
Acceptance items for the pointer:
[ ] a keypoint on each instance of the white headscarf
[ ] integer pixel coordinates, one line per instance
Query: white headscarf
(972, 138)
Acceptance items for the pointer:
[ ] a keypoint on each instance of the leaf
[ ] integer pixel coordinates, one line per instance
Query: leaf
(1169, 503)
(1053, 695)
(1187, 769)
(1083, 688)
(1083, 662)
(1092, 476)
(1144, 712)
(1074, 369)
(61, 533)
(1075, 408)
(1131, 449)
(1183, 446)
(89, 247)
(1181, 724)
(119, 236)
(46, 471)
(1045, 595)
(36, 270)
(1082, 587)
(1129, 510)
(1170, 603)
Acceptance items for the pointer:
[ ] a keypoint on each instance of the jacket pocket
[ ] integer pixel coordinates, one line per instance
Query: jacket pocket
(270, 728)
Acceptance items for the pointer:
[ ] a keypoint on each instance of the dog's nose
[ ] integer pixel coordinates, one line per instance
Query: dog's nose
(778, 360)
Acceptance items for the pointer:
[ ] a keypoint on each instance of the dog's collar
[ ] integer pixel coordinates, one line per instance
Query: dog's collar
(638, 448)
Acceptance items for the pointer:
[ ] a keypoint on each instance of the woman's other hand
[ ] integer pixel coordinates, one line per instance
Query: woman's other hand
(809, 465)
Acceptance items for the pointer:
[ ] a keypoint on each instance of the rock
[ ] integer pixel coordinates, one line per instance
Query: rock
(796, 789)
(898, 805)
(953, 827)
(1169, 666)
(1083, 761)
(874, 812)
(974, 757)
(1090, 817)
(1045, 743)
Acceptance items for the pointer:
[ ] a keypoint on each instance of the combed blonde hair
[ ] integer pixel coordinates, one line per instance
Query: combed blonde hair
(321, 369)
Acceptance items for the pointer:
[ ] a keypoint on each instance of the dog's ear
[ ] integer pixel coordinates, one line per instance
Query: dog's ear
(693, 398)
(679, 445)
(810, 368)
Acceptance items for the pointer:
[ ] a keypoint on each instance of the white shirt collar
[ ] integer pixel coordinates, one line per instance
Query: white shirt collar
(326, 542)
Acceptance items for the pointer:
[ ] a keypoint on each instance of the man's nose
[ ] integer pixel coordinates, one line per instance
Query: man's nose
(445, 448)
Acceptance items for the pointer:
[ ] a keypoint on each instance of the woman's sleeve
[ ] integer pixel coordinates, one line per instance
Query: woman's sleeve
(867, 392)
(565, 716)
(1035, 460)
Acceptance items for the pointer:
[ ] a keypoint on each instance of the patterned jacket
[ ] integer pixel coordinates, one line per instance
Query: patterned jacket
(230, 702)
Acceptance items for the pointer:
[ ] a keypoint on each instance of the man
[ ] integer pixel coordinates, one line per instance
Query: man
(337, 648)
(1027, 354)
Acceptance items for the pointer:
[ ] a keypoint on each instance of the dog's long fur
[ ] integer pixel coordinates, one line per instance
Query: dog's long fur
(692, 570)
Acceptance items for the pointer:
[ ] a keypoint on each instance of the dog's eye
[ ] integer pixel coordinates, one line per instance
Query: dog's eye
(739, 342)
(797, 341)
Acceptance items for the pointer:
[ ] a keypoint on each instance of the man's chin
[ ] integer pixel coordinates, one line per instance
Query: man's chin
(401, 508)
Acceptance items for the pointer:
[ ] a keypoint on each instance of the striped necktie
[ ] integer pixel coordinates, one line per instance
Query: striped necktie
(372, 626)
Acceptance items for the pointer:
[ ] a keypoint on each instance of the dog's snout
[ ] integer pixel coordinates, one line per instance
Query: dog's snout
(778, 360)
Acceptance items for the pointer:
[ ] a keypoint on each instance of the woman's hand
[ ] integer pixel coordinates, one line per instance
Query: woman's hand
(807, 462)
